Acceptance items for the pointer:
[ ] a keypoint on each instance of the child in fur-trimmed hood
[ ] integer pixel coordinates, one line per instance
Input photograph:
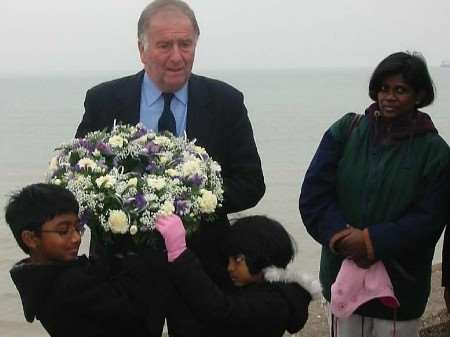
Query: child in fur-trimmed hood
(268, 300)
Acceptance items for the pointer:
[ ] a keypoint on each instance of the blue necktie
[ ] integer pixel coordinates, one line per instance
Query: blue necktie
(167, 120)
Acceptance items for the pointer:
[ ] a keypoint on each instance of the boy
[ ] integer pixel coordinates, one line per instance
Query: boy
(268, 299)
(71, 295)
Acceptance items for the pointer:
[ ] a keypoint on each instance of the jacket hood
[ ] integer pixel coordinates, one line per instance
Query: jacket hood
(35, 281)
(298, 290)
(402, 127)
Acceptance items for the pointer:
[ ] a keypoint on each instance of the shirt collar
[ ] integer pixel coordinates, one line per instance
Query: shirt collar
(152, 93)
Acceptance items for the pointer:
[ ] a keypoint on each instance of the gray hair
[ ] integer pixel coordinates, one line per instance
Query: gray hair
(157, 5)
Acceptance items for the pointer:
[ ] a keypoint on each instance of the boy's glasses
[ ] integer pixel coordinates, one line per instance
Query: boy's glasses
(68, 232)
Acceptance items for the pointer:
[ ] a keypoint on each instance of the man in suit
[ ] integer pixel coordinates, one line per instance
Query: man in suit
(210, 111)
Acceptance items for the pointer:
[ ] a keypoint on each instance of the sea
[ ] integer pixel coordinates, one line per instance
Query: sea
(290, 109)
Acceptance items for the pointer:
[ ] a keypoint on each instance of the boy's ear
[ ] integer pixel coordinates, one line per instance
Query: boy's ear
(30, 239)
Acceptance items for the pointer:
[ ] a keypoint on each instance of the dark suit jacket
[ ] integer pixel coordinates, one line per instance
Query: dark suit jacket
(217, 118)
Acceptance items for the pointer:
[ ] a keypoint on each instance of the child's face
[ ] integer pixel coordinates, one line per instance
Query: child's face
(239, 273)
(58, 239)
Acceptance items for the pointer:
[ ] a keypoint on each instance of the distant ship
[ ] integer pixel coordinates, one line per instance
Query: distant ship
(445, 64)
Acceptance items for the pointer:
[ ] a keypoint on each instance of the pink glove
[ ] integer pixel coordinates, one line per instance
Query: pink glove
(174, 234)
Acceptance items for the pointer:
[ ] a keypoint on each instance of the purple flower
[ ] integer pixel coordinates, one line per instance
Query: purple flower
(140, 132)
(140, 201)
(151, 167)
(195, 180)
(104, 149)
(86, 144)
(181, 206)
(152, 148)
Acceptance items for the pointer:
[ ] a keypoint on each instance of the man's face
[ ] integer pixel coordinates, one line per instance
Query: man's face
(170, 49)
(58, 239)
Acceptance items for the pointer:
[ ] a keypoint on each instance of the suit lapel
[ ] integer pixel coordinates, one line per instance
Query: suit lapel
(199, 112)
(129, 98)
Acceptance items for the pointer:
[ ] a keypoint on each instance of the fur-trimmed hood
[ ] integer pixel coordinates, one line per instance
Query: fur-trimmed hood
(298, 289)
(289, 275)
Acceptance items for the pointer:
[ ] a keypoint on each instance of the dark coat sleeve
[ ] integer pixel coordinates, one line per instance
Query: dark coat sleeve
(256, 312)
(92, 301)
(241, 166)
(318, 198)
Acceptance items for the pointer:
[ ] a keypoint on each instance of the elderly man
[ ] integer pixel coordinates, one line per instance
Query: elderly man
(167, 96)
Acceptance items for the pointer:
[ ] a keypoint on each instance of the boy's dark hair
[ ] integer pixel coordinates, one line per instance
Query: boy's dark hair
(412, 67)
(31, 207)
(263, 241)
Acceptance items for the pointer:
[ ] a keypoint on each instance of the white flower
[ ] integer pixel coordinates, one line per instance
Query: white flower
(142, 140)
(57, 181)
(117, 141)
(158, 183)
(171, 172)
(191, 168)
(162, 140)
(106, 181)
(167, 208)
(96, 153)
(133, 229)
(132, 182)
(118, 221)
(53, 165)
(86, 163)
(207, 202)
(199, 149)
(215, 167)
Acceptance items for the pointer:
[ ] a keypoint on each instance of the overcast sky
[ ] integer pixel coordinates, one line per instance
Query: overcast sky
(100, 35)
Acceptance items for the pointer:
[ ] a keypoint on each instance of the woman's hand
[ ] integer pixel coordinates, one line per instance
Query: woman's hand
(172, 230)
(352, 245)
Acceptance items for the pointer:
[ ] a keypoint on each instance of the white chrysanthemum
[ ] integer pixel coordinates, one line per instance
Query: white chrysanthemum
(53, 165)
(167, 208)
(162, 140)
(163, 159)
(87, 163)
(96, 153)
(207, 202)
(158, 183)
(133, 230)
(57, 181)
(132, 182)
(191, 168)
(199, 149)
(142, 140)
(106, 181)
(117, 141)
(118, 221)
(171, 172)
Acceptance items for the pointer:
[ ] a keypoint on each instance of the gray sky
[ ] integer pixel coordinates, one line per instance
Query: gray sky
(100, 35)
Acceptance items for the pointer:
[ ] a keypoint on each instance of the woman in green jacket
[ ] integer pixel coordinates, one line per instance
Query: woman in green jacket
(375, 190)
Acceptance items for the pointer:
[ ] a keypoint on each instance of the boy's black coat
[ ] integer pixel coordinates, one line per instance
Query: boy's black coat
(83, 298)
(260, 309)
